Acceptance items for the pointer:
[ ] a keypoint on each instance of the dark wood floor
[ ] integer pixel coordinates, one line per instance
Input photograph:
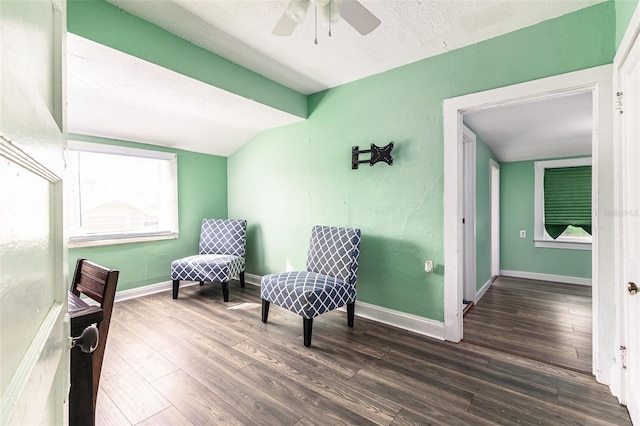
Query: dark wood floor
(198, 360)
(548, 322)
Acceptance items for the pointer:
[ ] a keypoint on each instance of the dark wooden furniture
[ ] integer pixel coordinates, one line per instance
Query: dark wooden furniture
(99, 284)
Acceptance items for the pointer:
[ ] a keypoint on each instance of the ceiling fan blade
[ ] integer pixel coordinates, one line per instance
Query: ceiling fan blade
(292, 16)
(285, 26)
(358, 16)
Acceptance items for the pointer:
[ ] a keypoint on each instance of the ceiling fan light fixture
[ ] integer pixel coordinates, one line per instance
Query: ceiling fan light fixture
(320, 3)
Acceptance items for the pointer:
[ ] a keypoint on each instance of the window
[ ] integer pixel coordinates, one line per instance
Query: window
(563, 203)
(118, 195)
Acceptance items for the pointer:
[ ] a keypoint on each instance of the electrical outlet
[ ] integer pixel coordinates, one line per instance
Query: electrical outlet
(428, 266)
(523, 233)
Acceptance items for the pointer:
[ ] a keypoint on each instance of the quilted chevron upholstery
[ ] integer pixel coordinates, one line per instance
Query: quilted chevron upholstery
(222, 250)
(328, 283)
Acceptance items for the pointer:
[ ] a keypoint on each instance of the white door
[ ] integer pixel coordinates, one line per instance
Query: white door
(34, 347)
(629, 78)
(494, 169)
(469, 148)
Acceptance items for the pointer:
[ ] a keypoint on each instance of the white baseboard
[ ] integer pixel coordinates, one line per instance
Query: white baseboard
(149, 289)
(546, 277)
(414, 323)
(252, 279)
(483, 290)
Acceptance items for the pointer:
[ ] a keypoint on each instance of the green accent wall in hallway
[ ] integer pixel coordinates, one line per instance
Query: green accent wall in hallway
(483, 212)
(517, 213)
(286, 180)
(202, 192)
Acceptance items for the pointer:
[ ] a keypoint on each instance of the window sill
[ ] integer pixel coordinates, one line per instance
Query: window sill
(108, 241)
(571, 245)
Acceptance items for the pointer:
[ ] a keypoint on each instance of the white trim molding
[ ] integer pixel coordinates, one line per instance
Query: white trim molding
(409, 322)
(252, 279)
(598, 81)
(483, 290)
(414, 323)
(546, 277)
(541, 237)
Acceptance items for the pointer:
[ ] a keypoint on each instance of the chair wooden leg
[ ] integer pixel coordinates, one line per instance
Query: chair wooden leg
(265, 310)
(176, 286)
(307, 326)
(242, 279)
(351, 310)
(225, 291)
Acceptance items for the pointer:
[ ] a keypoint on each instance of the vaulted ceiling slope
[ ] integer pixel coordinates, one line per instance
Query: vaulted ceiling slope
(207, 76)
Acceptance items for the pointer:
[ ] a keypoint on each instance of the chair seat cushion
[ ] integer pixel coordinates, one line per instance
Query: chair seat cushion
(308, 294)
(207, 267)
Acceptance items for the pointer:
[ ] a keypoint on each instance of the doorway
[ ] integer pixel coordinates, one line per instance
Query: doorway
(598, 82)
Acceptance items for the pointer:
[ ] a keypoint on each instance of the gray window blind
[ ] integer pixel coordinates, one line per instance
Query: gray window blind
(567, 199)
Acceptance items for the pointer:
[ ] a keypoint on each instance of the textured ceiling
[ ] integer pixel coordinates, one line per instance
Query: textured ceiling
(551, 128)
(240, 30)
(115, 95)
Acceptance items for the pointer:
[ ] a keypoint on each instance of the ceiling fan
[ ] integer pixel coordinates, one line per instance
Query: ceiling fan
(330, 12)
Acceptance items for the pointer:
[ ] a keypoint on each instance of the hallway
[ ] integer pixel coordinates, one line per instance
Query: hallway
(540, 320)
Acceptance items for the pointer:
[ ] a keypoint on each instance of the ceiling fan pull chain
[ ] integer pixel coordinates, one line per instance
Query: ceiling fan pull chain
(316, 18)
(330, 1)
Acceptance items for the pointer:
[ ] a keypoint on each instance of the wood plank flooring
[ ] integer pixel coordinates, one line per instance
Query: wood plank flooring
(548, 322)
(197, 360)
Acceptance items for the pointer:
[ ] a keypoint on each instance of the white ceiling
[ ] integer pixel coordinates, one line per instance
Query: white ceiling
(411, 30)
(115, 95)
(549, 128)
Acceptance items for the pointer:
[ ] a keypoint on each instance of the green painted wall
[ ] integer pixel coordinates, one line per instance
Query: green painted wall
(516, 213)
(202, 192)
(624, 12)
(105, 23)
(483, 212)
(286, 180)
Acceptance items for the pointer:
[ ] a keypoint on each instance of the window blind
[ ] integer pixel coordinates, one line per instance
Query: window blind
(567, 199)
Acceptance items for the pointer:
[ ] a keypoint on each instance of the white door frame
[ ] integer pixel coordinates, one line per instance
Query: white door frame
(598, 81)
(619, 385)
(469, 141)
(494, 202)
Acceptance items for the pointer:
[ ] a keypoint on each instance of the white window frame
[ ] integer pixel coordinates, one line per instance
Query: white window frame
(103, 240)
(541, 237)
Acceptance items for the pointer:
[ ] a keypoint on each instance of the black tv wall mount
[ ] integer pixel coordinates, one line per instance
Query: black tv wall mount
(377, 154)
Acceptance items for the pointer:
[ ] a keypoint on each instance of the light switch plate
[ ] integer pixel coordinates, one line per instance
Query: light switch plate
(523, 233)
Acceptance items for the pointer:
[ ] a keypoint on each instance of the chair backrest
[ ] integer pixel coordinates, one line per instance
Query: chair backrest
(223, 236)
(334, 251)
(98, 283)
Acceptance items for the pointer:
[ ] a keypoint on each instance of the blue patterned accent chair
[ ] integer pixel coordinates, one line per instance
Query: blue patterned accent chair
(328, 283)
(222, 249)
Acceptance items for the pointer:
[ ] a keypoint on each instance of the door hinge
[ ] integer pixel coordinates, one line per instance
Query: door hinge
(623, 356)
(619, 102)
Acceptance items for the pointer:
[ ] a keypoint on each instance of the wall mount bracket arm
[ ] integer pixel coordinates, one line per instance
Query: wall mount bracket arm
(377, 154)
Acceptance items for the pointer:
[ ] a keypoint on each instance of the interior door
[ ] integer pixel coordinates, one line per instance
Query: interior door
(630, 129)
(469, 172)
(34, 344)
(494, 169)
